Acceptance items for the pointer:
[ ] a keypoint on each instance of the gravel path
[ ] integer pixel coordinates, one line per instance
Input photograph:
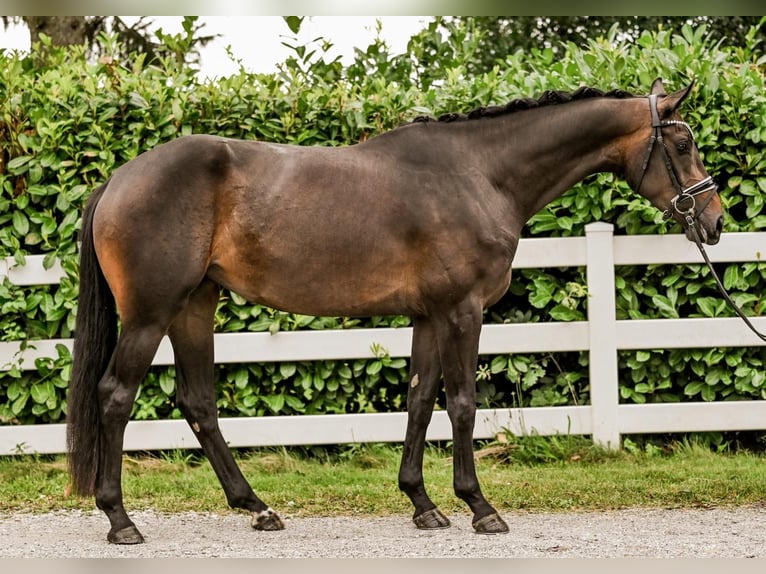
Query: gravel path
(727, 533)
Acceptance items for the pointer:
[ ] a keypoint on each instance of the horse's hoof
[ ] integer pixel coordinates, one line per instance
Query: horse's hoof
(266, 520)
(127, 535)
(431, 519)
(490, 524)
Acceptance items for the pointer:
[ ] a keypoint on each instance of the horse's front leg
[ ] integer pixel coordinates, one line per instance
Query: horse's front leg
(457, 334)
(425, 374)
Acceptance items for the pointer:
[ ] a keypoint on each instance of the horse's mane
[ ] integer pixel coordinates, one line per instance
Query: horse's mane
(549, 97)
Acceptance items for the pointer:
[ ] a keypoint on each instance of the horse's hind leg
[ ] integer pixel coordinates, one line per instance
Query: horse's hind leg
(132, 356)
(192, 337)
(425, 374)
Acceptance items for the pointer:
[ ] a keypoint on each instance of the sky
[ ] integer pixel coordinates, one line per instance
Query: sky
(257, 40)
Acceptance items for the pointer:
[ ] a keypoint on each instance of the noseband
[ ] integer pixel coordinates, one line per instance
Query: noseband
(684, 203)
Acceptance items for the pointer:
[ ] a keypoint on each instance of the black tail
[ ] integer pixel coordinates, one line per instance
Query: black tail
(94, 342)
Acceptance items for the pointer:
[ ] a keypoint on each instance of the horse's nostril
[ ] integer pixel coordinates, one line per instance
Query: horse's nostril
(719, 224)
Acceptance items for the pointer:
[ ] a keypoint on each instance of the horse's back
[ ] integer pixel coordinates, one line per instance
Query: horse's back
(316, 230)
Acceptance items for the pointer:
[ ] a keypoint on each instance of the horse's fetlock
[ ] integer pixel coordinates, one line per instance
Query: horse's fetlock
(108, 501)
(242, 498)
(467, 491)
(409, 484)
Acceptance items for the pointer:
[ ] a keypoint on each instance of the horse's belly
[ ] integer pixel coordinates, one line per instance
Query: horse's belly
(329, 290)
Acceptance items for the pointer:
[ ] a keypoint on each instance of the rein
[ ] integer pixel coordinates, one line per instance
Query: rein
(721, 288)
(685, 204)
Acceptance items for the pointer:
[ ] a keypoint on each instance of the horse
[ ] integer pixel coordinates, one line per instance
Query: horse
(422, 221)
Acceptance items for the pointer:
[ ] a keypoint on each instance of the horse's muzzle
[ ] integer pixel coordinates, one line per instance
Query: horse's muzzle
(706, 233)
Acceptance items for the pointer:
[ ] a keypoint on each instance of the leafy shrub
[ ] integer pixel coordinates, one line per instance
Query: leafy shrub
(66, 123)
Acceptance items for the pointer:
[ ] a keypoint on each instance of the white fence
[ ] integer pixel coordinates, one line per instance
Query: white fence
(601, 335)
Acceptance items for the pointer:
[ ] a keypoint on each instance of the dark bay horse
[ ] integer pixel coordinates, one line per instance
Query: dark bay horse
(423, 221)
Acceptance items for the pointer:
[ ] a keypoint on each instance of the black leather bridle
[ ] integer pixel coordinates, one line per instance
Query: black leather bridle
(684, 203)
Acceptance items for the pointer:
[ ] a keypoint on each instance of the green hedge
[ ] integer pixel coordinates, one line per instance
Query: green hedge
(66, 123)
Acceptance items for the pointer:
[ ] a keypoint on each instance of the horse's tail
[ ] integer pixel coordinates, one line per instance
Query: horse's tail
(94, 342)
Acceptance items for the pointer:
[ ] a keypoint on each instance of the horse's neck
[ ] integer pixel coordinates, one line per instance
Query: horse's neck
(537, 155)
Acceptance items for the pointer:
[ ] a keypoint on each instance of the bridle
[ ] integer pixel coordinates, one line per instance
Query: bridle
(684, 203)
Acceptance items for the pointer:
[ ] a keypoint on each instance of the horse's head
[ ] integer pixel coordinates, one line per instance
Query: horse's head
(665, 167)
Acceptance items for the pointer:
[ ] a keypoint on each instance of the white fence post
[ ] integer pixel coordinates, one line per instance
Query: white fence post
(602, 330)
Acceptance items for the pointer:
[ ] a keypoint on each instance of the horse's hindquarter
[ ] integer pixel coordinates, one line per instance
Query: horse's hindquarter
(348, 231)
(154, 224)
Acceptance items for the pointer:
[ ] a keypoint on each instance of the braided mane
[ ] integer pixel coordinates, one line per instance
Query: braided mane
(549, 97)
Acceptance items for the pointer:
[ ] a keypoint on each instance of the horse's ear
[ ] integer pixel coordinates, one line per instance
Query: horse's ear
(672, 102)
(657, 88)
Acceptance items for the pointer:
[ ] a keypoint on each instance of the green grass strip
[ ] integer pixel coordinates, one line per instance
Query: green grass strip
(540, 474)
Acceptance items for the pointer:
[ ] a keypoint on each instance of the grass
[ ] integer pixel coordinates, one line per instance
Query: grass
(529, 474)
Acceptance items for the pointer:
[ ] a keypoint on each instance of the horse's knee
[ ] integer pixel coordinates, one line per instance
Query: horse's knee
(462, 413)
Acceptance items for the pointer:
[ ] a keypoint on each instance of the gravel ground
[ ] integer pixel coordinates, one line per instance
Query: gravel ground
(722, 533)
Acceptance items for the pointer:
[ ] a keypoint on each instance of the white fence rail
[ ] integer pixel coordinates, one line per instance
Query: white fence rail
(601, 335)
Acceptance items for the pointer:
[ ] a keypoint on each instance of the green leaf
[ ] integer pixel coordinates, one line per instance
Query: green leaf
(14, 390)
(167, 383)
(664, 304)
(643, 388)
(499, 364)
(49, 260)
(138, 101)
(520, 363)
(20, 223)
(374, 367)
(15, 165)
(238, 299)
(731, 276)
(18, 405)
(241, 378)
(287, 370)
(294, 23)
(748, 188)
(397, 363)
(563, 313)
(274, 402)
(707, 305)
(295, 403)
(643, 356)
(178, 112)
(694, 388)
(235, 325)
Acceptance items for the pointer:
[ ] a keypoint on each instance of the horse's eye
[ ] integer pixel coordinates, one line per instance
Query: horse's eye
(683, 146)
